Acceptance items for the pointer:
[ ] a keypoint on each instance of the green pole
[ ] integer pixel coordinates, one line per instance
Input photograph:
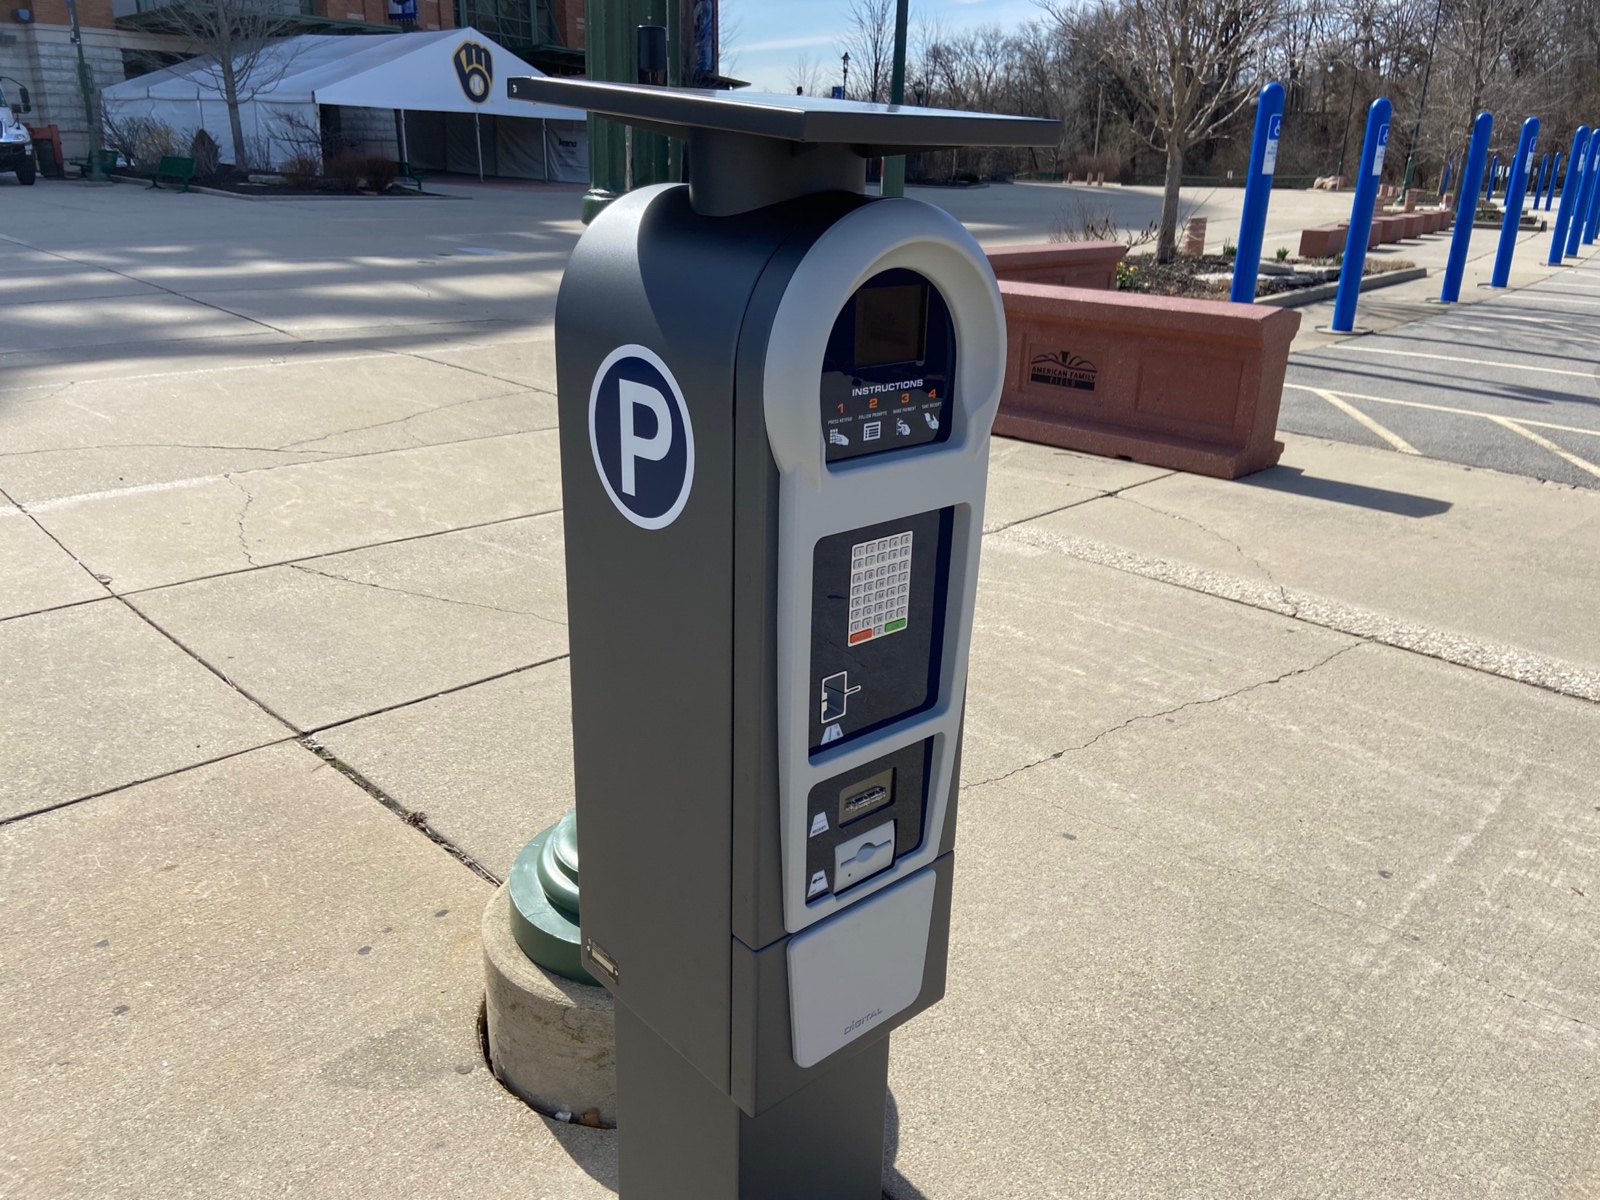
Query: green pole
(652, 157)
(544, 901)
(96, 169)
(611, 30)
(608, 56)
(894, 167)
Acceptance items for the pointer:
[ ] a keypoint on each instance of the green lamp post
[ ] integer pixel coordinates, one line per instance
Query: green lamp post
(544, 900)
(611, 45)
(96, 169)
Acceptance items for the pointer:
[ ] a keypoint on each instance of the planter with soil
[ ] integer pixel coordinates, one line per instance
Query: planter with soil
(1190, 384)
(1065, 264)
(1210, 276)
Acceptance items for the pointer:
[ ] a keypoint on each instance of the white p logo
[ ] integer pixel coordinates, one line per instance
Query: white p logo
(641, 437)
(635, 396)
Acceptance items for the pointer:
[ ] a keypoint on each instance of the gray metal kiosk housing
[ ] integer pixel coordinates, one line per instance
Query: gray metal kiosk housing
(775, 397)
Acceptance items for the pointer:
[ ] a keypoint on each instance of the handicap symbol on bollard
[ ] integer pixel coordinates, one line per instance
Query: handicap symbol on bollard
(1381, 152)
(640, 434)
(1269, 159)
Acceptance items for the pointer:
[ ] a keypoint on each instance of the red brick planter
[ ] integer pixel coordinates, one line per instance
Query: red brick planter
(1064, 264)
(1189, 384)
(1323, 241)
(1390, 229)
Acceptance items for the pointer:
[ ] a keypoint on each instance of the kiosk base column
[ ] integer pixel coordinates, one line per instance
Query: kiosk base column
(680, 1138)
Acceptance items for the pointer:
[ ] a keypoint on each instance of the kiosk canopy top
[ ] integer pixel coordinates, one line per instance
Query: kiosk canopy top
(871, 130)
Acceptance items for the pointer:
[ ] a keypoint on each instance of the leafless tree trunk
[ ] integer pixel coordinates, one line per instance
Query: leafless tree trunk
(805, 76)
(1183, 63)
(870, 44)
(238, 39)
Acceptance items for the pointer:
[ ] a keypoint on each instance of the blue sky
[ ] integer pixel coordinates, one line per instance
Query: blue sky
(770, 35)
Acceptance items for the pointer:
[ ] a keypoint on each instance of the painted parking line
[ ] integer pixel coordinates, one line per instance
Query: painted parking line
(1456, 358)
(1445, 408)
(1582, 464)
(1546, 298)
(1361, 418)
(1543, 323)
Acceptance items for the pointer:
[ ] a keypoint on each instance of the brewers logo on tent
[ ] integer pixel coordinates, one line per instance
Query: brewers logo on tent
(475, 70)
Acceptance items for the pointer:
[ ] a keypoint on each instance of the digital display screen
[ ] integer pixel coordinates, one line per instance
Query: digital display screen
(891, 325)
(889, 367)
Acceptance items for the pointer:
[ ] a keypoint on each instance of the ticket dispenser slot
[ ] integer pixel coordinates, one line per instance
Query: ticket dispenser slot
(775, 395)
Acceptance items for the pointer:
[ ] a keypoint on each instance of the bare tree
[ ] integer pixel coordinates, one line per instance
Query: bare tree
(1183, 63)
(870, 44)
(806, 76)
(237, 40)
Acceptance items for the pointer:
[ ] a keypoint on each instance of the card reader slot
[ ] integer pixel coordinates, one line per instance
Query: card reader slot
(857, 807)
(866, 796)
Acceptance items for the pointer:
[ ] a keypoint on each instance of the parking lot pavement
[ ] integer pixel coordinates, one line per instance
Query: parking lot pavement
(1510, 383)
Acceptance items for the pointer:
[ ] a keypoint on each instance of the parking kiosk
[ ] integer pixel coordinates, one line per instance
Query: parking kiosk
(775, 397)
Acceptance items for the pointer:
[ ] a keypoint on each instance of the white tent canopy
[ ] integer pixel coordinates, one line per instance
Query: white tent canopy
(403, 72)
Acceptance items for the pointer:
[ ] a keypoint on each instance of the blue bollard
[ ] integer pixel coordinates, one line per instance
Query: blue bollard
(1257, 191)
(1569, 189)
(1541, 177)
(1516, 191)
(1466, 206)
(1373, 148)
(1488, 185)
(1550, 192)
(1580, 210)
(1594, 200)
(1444, 177)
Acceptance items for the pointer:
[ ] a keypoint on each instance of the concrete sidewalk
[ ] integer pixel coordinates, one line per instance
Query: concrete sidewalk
(1279, 836)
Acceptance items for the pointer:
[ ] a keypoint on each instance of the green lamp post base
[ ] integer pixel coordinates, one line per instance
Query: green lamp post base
(544, 900)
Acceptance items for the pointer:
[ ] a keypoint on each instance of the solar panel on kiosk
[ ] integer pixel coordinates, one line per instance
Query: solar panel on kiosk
(872, 130)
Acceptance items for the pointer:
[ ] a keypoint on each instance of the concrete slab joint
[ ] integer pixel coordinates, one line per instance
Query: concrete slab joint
(551, 1041)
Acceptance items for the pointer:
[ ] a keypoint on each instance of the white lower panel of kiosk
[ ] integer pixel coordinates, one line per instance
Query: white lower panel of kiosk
(858, 968)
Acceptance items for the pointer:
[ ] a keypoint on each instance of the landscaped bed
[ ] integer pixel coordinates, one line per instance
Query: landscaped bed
(1209, 276)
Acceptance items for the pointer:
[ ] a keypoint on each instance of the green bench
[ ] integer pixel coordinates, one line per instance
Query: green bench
(108, 163)
(410, 172)
(179, 170)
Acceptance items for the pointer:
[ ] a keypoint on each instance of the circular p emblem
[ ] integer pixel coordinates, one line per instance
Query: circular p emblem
(640, 434)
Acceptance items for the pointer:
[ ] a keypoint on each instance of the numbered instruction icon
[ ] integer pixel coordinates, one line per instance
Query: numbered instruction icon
(640, 434)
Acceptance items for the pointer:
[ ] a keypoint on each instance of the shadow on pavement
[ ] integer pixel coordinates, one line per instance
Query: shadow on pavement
(1296, 482)
(895, 1185)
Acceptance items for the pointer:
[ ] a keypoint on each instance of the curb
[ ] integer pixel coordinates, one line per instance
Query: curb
(1327, 291)
(196, 188)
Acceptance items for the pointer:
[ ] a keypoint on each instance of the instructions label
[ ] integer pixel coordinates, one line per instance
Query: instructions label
(1383, 147)
(1269, 160)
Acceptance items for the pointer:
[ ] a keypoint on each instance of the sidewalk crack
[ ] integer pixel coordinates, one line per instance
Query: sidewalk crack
(1166, 712)
(1112, 494)
(413, 817)
(164, 446)
(302, 446)
(244, 545)
(1238, 549)
(383, 587)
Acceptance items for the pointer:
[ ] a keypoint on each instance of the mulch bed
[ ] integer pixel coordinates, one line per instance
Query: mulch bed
(1181, 277)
